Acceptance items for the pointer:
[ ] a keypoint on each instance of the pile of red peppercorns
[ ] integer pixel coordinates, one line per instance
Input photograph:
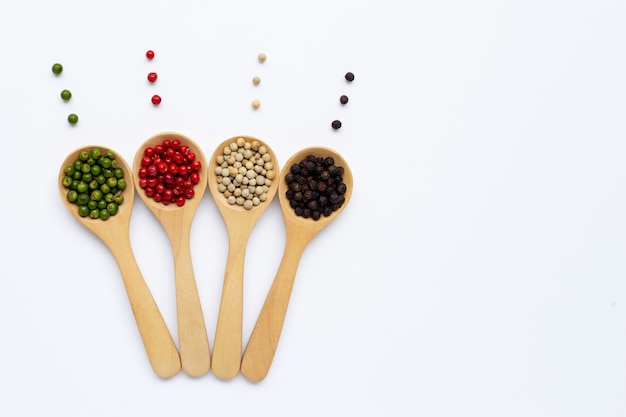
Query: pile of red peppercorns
(169, 171)
(315, 187)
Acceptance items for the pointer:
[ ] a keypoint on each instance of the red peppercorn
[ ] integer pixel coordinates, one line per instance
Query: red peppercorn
(150, 54)
(149, 151)
(152, 77)
(156, 100)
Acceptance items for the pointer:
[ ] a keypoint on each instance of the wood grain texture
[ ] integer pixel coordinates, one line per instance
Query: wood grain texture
(176, 221)
(239, 222)
(261, 348)
(114, 232)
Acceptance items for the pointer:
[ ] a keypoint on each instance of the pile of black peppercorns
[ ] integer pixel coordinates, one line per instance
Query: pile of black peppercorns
(315, 187)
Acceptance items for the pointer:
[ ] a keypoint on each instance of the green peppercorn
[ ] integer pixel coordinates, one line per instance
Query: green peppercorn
(83, 211)
(57, 69)
(96, 195)
(72, 118)
(119, 199)
(96, 170)
(66, 95)
(112, 208)
(72, 196)
(83, 199)
(82, 187)
(69, 170)
(121, 183)
(112, 182)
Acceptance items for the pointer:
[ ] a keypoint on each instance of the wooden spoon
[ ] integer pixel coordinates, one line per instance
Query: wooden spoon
(261, 347)
(114, 232)
(239, 223)
(192, 336)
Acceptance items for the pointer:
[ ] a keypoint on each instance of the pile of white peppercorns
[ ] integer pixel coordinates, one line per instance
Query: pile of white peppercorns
(244, 173)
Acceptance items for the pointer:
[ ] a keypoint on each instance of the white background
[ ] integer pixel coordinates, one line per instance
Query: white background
(477, 271)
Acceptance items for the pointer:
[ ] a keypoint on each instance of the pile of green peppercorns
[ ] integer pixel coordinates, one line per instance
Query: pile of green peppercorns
(95, 184)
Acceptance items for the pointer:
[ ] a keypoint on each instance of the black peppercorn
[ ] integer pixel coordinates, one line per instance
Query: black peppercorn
(343, 99)
(295, 187)
(336, 124)
(349, 76)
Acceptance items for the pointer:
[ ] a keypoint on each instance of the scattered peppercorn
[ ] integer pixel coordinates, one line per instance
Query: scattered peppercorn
(262, 57)
(336, 124)
(57, 69)
(152, 77)
(156, 99)
(95, 184)
(66, 95)
(150, 54)
(256, 104)
(343, 99)
(315, 187)
(349, 76)
(244, 172)
(169, 171)
(256, 81)
(72, 118)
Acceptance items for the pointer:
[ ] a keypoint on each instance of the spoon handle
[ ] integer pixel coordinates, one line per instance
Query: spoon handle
(261, 347)
(192, 336)
(227, 349)
(156, 337)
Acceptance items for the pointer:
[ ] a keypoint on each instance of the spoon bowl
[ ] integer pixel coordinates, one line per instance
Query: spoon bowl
(263, 341)
(176, 221)
(114, 232)
(239, 222)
